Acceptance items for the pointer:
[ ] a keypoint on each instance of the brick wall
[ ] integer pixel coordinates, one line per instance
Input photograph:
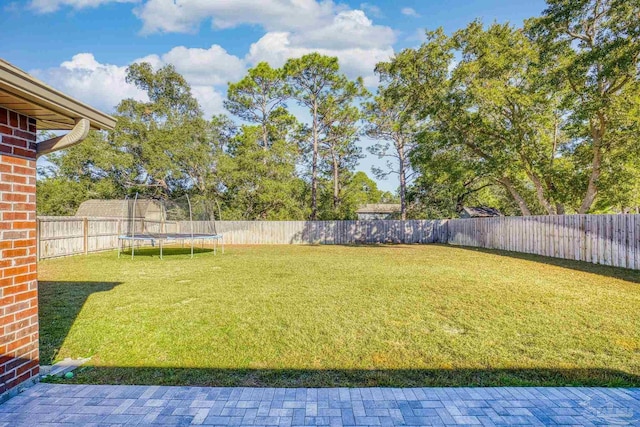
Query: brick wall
(18, 277)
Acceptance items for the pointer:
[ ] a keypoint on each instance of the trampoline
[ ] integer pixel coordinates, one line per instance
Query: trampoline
(160, 222)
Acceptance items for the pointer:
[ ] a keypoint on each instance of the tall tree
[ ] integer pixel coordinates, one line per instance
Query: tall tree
(420, 82)
(93, 170)
(259, 98)
(396, 129)
(261, 184)
(270, 189)
(164, 132)
(314, 79)
(593, 48)
(513, 115)
(339, 116)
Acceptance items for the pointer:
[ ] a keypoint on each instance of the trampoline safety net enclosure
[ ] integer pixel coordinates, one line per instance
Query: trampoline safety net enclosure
(162, 222)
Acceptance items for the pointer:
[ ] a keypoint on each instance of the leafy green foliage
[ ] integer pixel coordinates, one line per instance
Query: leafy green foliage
(316, 83)
(591, 50)
(536, 120)
(356, 190)
(395, 129)
(163, 147)
(544, 118)
(261, 184)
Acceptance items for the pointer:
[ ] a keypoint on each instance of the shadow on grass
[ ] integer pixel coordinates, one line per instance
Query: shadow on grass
(59, 306)
(404, 246)
(166, 251)
(602, 270)
(354, 378)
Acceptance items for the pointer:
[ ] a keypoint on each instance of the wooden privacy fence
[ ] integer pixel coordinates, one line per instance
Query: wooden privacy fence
(325, 232)
(62, 236)
(600, 239)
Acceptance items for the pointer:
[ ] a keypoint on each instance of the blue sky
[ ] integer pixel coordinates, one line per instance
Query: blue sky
(83, 46)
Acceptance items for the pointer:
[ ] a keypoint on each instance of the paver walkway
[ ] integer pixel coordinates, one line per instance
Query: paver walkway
(64, 405)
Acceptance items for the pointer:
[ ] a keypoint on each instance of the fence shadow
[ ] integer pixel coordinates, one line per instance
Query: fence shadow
(370, 232)
(583, 266)
(355, 377)
(59, 306)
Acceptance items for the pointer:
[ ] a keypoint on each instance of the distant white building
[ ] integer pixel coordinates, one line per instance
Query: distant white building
(379, 211)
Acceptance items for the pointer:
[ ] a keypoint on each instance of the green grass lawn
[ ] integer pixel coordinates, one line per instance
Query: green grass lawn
(426, 315)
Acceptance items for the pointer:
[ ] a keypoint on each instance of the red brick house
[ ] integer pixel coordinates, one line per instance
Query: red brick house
(27, 105)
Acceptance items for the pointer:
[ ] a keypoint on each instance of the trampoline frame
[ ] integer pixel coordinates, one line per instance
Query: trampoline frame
(160, 238)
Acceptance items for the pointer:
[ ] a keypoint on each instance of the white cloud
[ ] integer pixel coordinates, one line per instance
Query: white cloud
(273, 15)
(372, 10)
(348, 29)
(409, 11)
(48, 6)
(213, 66)
(203, 69)
(350, 36)
(293, 28)
(210, 99)
(104, 86)
(100, 85)
(276, 48)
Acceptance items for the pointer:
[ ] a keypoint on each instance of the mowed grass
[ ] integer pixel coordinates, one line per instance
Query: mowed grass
(422, 315)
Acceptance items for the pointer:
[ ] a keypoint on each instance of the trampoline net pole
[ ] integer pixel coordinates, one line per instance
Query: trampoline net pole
(215, 228)
(123, 212)
(133, 228)
(190, 223)
(163, 217)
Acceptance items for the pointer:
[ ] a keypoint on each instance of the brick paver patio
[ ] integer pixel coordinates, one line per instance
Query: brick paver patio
(64, 405)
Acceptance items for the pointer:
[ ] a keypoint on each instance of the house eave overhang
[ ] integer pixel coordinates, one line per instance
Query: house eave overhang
(52, 109)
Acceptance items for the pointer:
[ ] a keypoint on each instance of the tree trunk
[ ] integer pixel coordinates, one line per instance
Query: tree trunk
(522, 204)
(336, 188)
(403, 182)
(592, 187)
(540, 193)
(265, 119)
(265, 136)
(314, 165)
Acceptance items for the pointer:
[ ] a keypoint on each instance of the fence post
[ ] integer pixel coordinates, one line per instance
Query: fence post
(85, 223)
(38, 239)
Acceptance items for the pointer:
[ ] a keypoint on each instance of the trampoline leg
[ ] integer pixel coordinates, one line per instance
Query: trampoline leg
(160, 243)
(191, 248)
(119, 243)
(133, 248)
(215, 247)
(222, 242)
